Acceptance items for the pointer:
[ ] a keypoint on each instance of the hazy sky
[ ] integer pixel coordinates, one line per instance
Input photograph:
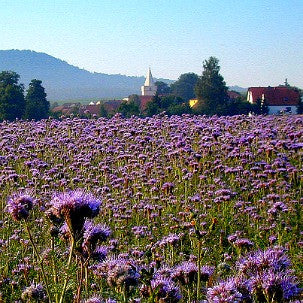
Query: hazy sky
(258, 42)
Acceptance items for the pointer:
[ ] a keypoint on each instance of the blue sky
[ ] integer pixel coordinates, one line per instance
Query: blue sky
(257, 42)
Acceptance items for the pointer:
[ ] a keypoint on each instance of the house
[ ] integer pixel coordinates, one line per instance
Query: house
(67, 108)
(193, 102)
(110, 106)
(144, 100)
(233, 95)
(280, 99)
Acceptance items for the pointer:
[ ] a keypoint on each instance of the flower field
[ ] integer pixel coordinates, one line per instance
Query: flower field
(162, 209)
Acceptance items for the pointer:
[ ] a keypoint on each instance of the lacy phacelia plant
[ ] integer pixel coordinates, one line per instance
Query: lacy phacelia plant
(34, 293)
(262, 276)
(19, 206)
(74, 207)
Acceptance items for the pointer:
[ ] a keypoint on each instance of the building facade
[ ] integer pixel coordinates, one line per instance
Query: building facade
(149, 88)
(280, 99)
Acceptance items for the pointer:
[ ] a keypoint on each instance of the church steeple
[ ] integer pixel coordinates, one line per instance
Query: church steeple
(149, 81)
(149, 88)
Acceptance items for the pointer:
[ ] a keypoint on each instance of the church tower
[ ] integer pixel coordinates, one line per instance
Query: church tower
(149, 88)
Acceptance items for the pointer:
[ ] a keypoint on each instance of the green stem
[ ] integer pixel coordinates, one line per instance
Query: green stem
(68, 266)
(80, 282)
(199, 270)
(86, 279)
(54, 267)
(125, 294)
(39, 260)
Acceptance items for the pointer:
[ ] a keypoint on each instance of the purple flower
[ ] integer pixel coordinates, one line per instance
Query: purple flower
(35, 292)
(185, 273)
(118, 272)
(74, 207)
(94, 300)
(93, 234)
(224, 292)
(256, 262)
(274, 286)
(207, 272)
(166, 290)
(100, 253)
(243, 243)
(97, 299)
(19, 206)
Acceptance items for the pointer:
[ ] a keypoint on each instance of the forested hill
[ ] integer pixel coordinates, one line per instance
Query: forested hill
(63, 81)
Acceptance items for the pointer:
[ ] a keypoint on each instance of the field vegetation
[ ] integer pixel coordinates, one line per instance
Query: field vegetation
(162, 209)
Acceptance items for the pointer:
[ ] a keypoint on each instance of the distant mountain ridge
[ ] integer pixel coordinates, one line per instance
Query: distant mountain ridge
(63, 81)
(238, 89)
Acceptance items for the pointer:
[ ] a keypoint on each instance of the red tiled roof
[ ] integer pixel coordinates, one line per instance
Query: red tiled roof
(92, 109)
(233, 94)
(144, 100)
(279, 96)
(112, 105)
(58, 109)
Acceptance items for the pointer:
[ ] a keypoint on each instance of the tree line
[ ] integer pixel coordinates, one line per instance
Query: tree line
(15, 104)
(209, 89)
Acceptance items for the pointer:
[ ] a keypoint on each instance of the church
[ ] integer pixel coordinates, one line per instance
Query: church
(148, 90)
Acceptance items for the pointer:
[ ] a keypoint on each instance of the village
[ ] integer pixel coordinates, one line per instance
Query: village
(282, 99)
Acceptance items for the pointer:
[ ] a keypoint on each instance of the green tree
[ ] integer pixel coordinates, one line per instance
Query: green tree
(300, 103)
(172, 105)
(260, 107)
(300, 107)
(162, 88)
(239, 107)
(12, 103)
(211, 89)
(135, 99)
(153, 107)
(128, 109)
(36, 105)
(179, 109)
(103, 112)
(184, 87)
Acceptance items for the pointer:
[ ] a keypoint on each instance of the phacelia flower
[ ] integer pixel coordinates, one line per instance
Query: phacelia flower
(186, 273)
(35, 292)
(118, 272)
(97, 299)
(93, 234)
(166, 290)
(224, 292)
(19, 206)
(73, 207)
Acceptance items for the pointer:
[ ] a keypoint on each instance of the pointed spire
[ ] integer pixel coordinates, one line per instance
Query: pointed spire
(149, 81)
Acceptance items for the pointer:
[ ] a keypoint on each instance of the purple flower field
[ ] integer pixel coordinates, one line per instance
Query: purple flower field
(162, 209)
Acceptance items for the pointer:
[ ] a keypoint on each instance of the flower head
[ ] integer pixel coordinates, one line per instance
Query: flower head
(186, 273)
(118, 272)
(35, 292)
(73, 207)
(224, 292)
(93, 234)
(166, 290)
(19, 206)
(97, 299)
